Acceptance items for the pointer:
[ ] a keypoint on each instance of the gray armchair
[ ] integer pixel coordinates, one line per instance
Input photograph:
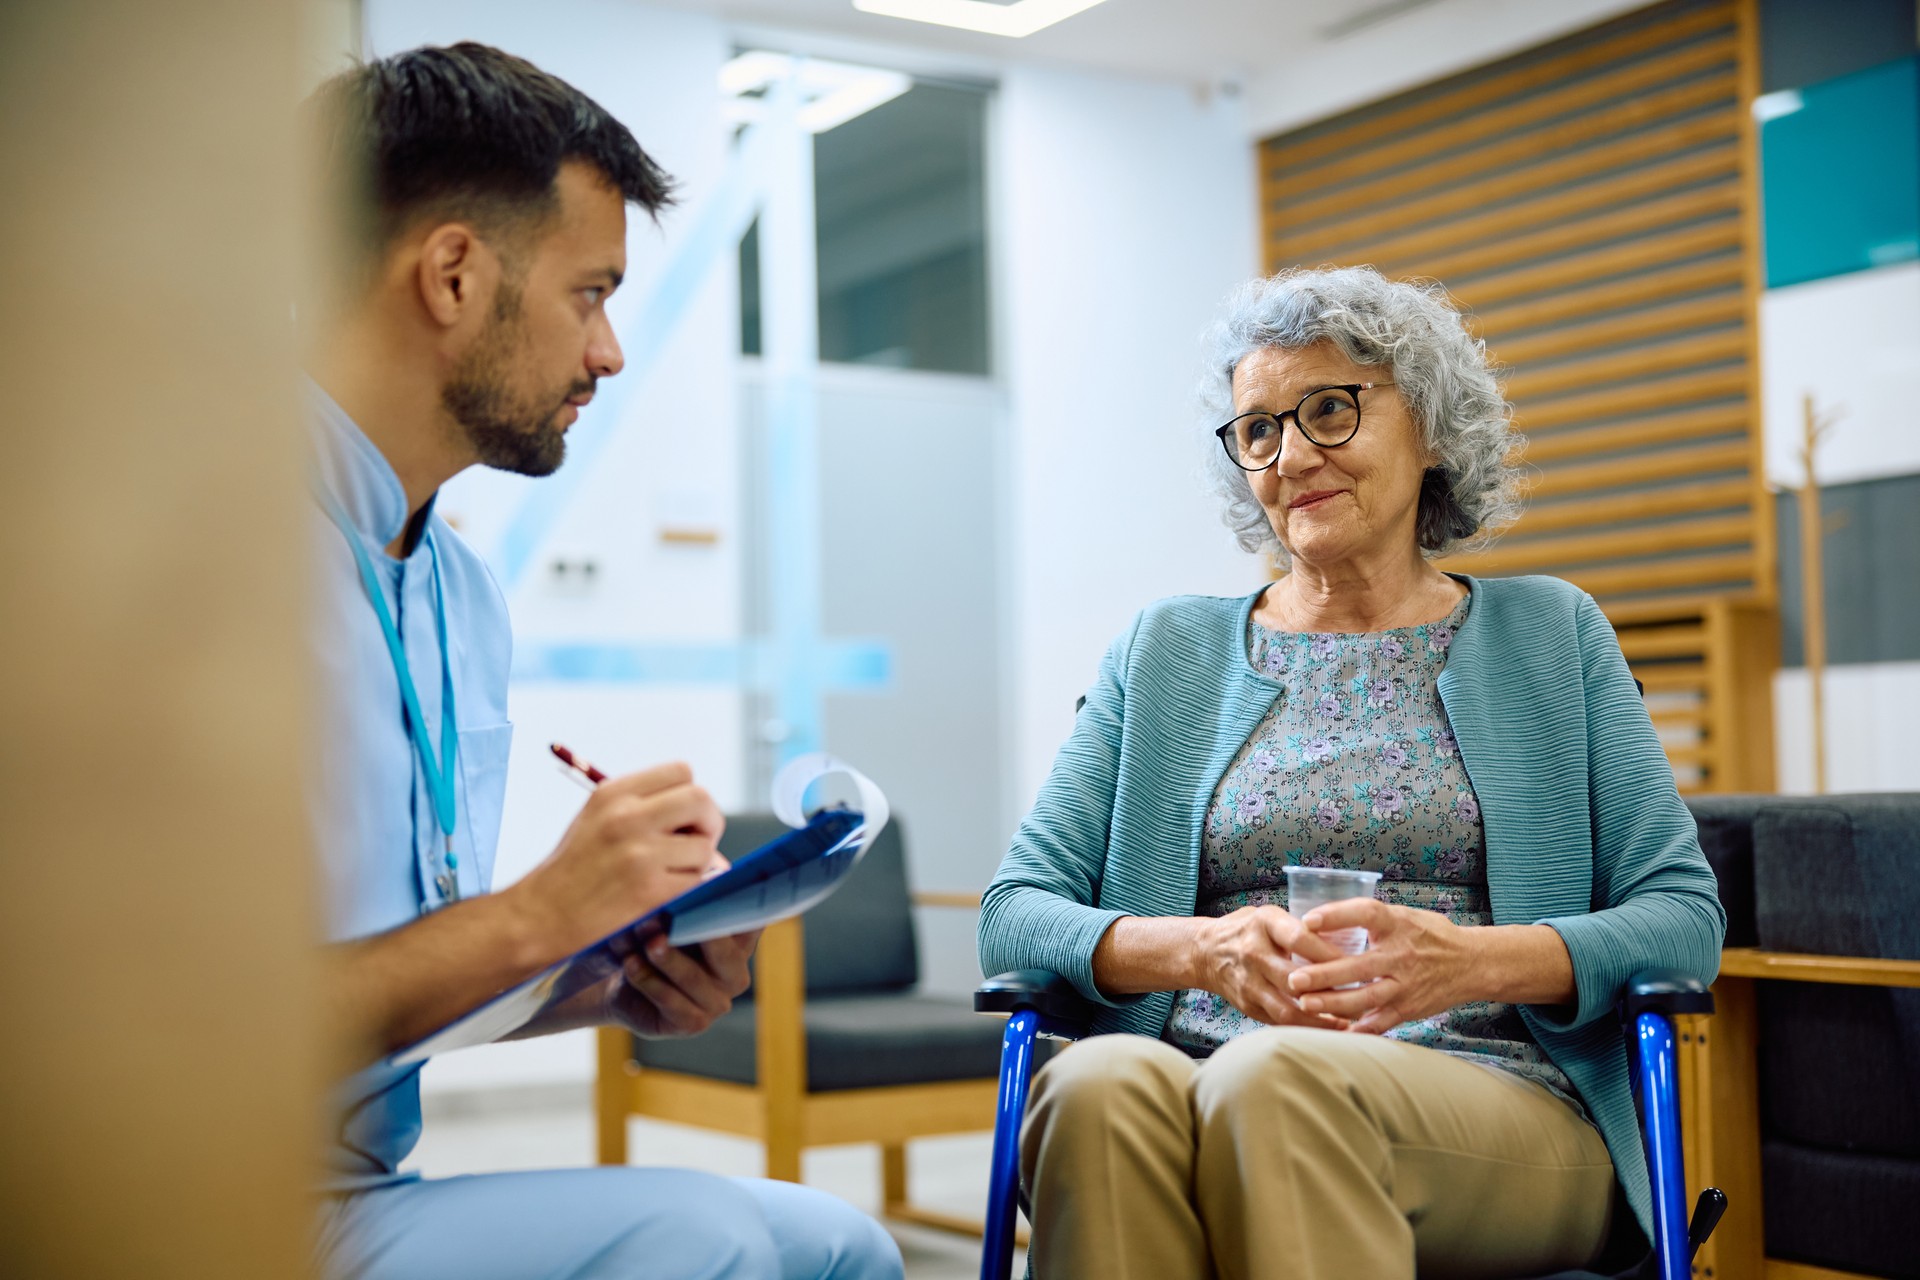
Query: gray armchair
(834, 1044)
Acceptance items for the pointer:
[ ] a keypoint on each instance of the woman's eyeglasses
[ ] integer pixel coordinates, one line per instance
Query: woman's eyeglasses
(1328, 417)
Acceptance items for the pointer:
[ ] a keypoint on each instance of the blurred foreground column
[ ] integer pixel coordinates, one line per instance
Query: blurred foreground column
(160, 1061)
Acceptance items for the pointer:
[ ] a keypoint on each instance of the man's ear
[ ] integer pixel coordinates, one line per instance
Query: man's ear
(456, 273)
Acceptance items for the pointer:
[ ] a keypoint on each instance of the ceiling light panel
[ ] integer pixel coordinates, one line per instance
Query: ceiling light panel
(1022, 18)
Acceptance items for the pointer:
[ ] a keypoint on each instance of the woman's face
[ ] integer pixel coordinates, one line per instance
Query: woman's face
(1329, 506)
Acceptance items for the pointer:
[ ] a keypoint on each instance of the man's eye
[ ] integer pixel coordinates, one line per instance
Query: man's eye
(594, 295)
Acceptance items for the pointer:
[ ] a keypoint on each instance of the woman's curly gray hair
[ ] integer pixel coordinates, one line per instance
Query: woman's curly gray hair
(1441, 371)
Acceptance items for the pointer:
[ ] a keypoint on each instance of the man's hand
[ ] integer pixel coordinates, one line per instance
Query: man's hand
(639, 840)
(1417, 963)
(667, 992)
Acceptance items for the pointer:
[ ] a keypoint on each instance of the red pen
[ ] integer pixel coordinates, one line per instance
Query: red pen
(581, 770)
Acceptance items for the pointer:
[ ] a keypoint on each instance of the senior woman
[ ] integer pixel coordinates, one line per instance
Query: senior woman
(1455, 1099)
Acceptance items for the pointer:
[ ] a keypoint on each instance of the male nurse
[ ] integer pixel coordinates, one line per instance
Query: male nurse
(471, 329)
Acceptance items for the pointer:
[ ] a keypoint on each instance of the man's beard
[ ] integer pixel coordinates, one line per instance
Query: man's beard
(508, 432)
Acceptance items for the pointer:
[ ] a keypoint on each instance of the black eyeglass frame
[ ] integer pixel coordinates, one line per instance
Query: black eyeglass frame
(1353, 390)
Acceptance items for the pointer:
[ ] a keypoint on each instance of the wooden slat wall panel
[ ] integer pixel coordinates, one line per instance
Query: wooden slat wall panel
(1694, 424)
(1647, 75)
(1646, 504)
(1515, 151)
(1482, 197)
(1590, 203)
(1657, 179)
(1462, 98)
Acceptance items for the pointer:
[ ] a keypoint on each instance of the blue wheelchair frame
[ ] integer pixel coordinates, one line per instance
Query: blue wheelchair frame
(1038, 1003)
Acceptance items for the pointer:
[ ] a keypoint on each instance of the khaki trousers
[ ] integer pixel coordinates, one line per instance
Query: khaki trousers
(1301, 1154)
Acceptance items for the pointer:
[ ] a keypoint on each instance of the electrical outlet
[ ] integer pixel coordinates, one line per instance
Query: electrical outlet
(574, 575)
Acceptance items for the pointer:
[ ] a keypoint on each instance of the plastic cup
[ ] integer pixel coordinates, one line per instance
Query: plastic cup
(1310, 887)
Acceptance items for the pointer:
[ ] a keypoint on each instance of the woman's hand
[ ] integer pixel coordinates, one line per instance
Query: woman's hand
(1246, 958)
(1417, 963)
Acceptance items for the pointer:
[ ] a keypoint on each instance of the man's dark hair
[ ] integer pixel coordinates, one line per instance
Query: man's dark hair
(466, 132)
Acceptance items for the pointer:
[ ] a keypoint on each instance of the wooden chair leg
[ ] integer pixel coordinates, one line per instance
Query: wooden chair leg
(612, 1095)
(780, 1048)
(783, 1151)
(893, 1178)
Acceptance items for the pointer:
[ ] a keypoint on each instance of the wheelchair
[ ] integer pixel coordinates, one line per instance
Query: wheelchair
(1038, 1004)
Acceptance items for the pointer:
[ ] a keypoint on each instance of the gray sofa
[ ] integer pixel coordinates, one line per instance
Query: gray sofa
(1839, 1066)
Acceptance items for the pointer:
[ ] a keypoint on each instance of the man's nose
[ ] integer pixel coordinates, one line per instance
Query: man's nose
(604, 357)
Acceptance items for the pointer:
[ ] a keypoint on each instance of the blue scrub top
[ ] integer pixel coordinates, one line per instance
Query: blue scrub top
(379, 842)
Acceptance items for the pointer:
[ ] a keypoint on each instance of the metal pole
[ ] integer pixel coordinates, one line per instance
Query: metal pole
(1813, 592)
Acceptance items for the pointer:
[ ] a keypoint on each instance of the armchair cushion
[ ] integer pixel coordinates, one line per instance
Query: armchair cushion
(1832, 1070)
(1760, 847)
(1840, 875)
(862, 1041)
(1834, 1209)
(861, 938)
(1837, 875)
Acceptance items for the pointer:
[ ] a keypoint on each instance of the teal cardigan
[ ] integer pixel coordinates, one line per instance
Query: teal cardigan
(1585, 831)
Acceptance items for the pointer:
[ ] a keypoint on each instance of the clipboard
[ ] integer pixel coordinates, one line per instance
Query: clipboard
(780, 879)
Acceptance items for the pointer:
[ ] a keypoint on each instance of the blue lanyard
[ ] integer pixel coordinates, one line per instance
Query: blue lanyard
(440, 775)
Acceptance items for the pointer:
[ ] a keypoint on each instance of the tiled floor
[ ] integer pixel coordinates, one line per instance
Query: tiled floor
(544, 1133)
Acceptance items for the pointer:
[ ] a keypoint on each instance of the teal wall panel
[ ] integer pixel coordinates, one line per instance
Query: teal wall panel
(1840, 175)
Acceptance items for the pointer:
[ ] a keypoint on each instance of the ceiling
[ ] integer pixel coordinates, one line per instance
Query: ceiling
(1182, 39)
(1296, 59)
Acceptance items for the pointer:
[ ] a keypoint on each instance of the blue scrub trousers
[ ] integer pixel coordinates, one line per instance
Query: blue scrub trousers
(604, 1223)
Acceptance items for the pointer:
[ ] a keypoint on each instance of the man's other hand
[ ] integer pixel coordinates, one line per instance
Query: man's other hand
(666, 991)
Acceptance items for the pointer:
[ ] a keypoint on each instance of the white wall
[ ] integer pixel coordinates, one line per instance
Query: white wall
(1870, 710)
(1853, 343)
(1124, 214)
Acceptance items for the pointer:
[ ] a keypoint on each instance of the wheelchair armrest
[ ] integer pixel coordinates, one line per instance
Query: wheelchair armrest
(1667, 991)
(1046, 993)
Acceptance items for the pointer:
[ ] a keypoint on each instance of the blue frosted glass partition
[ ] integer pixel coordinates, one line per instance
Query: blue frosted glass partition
(1840, 174)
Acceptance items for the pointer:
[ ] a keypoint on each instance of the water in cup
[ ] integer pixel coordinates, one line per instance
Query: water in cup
(1310, 887)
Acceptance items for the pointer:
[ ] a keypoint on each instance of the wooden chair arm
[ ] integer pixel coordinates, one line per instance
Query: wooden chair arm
(941, 898)
(1858, 971)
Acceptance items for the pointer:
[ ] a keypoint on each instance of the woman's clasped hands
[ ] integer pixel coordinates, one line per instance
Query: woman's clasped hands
(1285, 971)
(1417, 963)
(1247, 957)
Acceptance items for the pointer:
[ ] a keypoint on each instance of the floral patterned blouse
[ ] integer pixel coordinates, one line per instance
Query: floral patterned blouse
(1355, 766)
